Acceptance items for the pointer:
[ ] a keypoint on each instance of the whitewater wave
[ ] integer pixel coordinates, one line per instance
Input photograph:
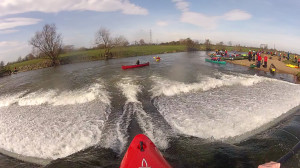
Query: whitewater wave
(51, 132)
(129, 89)
(7, 100)
(52, 124)
(228, 111)
(167, 87)
(56, 98)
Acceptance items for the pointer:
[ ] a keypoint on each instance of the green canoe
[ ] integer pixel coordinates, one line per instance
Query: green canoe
(234, 58)
(216, 62)
(252, 66)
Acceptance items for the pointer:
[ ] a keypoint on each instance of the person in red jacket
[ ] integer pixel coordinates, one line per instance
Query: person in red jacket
(258, 60)
(265, 61)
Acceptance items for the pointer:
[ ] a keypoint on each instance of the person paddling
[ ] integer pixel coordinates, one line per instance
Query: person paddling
(137, 62)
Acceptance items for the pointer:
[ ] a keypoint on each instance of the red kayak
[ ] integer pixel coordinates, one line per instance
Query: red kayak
(134, 66)
(142, 153)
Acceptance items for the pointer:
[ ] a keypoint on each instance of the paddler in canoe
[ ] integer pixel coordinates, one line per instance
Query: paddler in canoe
(137, 62)
(216, 58)
(157, 58)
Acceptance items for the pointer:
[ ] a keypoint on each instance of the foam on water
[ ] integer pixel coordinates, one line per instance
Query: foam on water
(151, 129)
(51, 125)
(134, 107)
(51, 132)
(129, 89)
(226, 112)
(95, 91)
(170, 88)
(37, 98)
(55, 98)
(116, 138)
(7, 100)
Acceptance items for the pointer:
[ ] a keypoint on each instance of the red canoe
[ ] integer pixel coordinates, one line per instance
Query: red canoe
(134, 66)
(142, 153)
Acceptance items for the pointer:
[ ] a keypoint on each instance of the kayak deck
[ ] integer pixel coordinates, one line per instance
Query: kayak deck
(142, 153)
(134, 66)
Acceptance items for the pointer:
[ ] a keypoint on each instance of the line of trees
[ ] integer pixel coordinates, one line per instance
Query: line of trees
(48, 43)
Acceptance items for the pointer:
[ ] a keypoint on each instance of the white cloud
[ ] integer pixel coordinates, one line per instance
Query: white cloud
(199, 19)
(162, 23)
(207, 22)
(182, 5)
(237, 15)
(11, 50)
(9, 43)
(10, 23)
(8, 7)
(8, 31)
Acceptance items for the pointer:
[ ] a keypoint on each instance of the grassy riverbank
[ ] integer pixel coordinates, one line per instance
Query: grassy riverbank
(97, 54)
(120, 52)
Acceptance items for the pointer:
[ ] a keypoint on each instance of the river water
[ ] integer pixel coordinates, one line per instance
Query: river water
(198, 114)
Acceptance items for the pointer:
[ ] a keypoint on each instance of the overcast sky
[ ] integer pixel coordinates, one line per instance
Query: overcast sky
(255, 22)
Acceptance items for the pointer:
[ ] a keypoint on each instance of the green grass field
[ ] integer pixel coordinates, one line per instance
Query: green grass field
(25, 63)
(128, 51)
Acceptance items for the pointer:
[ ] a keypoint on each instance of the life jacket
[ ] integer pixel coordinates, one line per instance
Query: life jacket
(259, 58)
(265, 58)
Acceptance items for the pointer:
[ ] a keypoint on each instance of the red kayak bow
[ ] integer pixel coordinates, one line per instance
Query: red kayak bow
(142, 153)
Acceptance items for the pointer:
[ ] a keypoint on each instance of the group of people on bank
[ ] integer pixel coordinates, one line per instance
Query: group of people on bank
(253, 55)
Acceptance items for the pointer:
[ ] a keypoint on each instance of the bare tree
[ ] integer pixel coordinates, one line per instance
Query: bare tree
(208, 46)
(121, 41)
(1, 65)
(104, 39)
(48, 42)
(19, 59)
(29, 57)
(191, 45)
(142, 42)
